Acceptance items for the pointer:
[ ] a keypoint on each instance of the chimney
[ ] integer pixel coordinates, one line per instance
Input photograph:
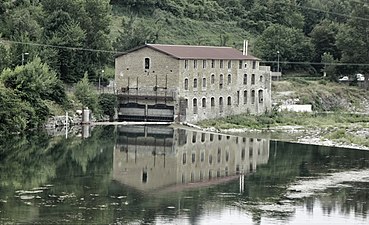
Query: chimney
(245, 47)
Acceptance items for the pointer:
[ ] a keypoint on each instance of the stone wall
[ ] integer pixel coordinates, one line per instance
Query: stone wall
(195, 82)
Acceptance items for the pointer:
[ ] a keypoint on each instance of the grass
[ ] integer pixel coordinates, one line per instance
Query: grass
(184, 30)
(309, 120)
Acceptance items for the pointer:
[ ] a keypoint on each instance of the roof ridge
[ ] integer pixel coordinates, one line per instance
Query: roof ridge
(191, 46)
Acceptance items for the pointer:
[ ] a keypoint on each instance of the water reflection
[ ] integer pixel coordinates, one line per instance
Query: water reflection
(167, 159)
(163, 175)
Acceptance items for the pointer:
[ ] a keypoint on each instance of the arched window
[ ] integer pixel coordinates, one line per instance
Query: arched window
(229, 64)
(221, 81)
(253, 97)
(245, 79)
(212, 79)
(195, 83)
(245, 97)
(221, 104)
(229, 100)
(204, 82)
(212, 102)
(229, 79)
(147, 63)
(260, 95)
(261, 79)
(204, 102)
(252, 78)
(195, 105)
(186, 84)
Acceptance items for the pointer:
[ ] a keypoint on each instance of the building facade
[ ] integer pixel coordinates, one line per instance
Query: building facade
(190, 83)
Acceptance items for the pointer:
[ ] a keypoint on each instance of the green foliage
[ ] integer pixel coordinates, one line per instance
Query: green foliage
(107, 104)
(14, 113)
(290, 42)
(86, 93)
(27, 88)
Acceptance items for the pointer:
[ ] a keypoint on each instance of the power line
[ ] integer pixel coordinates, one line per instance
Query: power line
(60, 47)
(119, 52)
(317, 63)
(328, 12)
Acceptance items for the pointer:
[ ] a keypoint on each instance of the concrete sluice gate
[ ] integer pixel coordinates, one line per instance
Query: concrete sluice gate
(145, 112)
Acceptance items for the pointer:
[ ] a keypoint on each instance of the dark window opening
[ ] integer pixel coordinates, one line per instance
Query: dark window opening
(147, 63)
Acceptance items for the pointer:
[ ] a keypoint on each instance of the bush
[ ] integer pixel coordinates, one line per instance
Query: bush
(107, 104)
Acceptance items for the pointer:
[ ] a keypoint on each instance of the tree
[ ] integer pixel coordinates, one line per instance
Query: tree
(291, 43)
(34, 83)
(4, 59)
(136, 33)
(353, 40)
(86, 94)
(329, 68)
(76, 25)
(323, 37)
(15, 114)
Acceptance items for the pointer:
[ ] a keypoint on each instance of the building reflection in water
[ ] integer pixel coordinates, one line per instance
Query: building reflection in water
(167, 159)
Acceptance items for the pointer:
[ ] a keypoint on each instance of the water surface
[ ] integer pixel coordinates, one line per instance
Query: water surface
(161, 175)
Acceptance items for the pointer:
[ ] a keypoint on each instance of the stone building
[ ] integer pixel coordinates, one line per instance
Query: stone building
(190, 83)
(167, 159)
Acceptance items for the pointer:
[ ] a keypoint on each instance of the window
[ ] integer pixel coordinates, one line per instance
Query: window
(195, 83)
(238, 97)
(229, 80)
(221, 104)
(253, 97)
(186, 64)
(210, 160)
(193, 158)
(202, 156)
(211, 137)
(243, 151)
(221, 81)
(229, 64)
(253, 64)
(245, 79)
(240, 64)
(194, 106)
(186, 84)
(212, 79)
(204, 64)
(144, 176)
(221, 63)
(204, 102)
(204, 82)
(219, 155)
(212, 102)
(212, 63)
(245, 65)
(184, 158)
(203, 135)
(260, 95)
(229, 100)
(194, 134)
(195, 64)
(245, 97)
(252, 78)
(261, 79)
(186, 102)
(147, 63)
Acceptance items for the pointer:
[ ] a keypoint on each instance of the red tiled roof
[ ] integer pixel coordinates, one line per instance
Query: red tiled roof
(197, 52)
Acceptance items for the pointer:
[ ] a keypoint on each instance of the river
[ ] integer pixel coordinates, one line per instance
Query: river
(164, 175)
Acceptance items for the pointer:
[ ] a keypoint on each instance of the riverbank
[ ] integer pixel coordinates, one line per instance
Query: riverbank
(354, 138)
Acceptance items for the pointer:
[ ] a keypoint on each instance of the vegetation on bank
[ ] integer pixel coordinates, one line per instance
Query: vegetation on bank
(270, 121)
